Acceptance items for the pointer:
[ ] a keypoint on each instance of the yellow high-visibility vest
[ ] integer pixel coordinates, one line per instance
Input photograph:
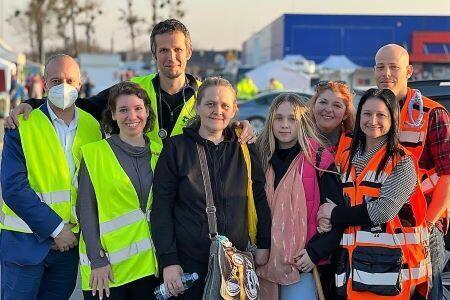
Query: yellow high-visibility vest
(187, 112)
(47, 168)
(124, 228)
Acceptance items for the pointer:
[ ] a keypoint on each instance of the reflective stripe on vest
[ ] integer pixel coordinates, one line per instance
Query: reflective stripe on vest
(429, 183)
(14, 222)
(47, 168)
(375, 278)
(411, 137)
(122, 221)
(416, 273)
(340, 279)
(365, 237)
(54, 197)
(123, 254)
(124, 228)
(379, 279)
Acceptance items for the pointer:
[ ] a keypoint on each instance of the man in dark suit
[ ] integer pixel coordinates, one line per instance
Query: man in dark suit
(38, 246)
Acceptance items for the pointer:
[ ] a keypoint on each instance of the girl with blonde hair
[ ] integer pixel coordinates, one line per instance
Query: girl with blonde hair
(297, 167)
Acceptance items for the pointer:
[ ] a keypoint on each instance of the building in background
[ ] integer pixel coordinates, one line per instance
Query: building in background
(358, 37)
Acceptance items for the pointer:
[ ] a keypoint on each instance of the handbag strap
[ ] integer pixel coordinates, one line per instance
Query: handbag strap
(210, 208)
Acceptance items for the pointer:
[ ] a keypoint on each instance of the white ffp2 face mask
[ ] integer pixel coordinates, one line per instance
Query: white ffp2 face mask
(62, 95)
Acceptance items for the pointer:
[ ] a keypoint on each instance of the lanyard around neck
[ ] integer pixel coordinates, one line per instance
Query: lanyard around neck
(162, 133)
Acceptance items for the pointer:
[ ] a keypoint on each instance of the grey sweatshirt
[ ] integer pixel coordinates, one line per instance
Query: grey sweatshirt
(136, 163)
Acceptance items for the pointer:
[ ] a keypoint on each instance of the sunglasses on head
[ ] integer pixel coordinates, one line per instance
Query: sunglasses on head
(324, 83)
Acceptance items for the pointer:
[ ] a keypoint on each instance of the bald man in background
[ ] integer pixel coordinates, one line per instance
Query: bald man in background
(428, 138)
(38, 246)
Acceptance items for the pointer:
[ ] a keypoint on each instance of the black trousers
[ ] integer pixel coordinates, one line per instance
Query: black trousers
(139, 289)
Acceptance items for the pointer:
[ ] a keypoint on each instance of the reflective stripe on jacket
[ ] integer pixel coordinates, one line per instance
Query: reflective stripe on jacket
(387, 260)
(47, 168)
(413, 138)
(124, 228)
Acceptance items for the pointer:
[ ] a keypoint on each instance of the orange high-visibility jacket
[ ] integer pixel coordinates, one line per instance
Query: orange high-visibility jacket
(385, 261)
(413, 138)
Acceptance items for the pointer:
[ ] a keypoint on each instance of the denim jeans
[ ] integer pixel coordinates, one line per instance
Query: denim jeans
(304, 289)
(437, 251)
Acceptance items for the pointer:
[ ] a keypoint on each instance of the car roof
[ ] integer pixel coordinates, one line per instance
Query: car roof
(432, 88)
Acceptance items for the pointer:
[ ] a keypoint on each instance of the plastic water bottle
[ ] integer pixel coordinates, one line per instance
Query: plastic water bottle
(188, 280)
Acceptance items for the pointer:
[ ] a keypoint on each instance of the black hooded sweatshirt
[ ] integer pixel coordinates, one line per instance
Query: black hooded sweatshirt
(178, 217)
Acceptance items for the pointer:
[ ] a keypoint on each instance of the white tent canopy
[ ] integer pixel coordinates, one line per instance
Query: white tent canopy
(338, 62)
(293, 58)
(281, 71)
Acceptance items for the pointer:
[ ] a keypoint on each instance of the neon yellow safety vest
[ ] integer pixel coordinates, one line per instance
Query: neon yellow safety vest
(124, 229)
(47, 168)
(186, 113)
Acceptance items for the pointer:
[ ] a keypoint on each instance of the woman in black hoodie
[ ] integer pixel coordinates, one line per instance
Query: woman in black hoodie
(178, 217)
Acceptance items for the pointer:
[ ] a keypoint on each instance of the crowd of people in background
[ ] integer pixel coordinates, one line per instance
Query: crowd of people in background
(357, 196)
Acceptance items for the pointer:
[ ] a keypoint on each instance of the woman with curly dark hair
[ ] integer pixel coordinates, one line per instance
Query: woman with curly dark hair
(117, 257)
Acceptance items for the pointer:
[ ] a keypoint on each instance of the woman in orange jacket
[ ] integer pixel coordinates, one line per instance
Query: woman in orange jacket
(382, 252)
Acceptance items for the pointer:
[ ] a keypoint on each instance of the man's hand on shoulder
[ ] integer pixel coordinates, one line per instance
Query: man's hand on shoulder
(247, 135)
(12, 121)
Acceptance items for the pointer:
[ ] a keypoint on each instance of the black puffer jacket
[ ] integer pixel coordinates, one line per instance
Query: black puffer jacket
(178, 217)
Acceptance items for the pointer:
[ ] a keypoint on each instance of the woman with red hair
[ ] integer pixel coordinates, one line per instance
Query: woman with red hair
(333, 111)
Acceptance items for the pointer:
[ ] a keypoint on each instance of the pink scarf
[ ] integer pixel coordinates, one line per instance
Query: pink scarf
(289, 224)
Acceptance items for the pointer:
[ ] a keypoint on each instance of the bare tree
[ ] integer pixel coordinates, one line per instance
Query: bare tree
(91, 9)
(23, 26)
(162, 9)
(132, 21)
(73, 14)
(38, 13)
(62, 12)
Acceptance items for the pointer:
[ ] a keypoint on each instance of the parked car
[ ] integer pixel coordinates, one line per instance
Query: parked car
(256, 109)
